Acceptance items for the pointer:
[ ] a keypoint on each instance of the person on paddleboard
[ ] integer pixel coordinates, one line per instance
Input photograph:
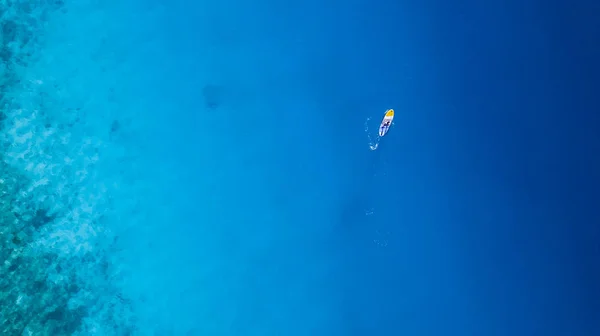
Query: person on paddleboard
(386, 122)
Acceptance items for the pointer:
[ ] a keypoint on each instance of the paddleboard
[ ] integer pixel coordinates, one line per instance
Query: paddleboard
(386, 122)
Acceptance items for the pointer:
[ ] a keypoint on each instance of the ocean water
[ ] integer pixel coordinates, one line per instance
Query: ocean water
(207, 168)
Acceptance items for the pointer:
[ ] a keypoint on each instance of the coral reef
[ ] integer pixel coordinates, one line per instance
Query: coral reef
(47, 287)
(35, 288)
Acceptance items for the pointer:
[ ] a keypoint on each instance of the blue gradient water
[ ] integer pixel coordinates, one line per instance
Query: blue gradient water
(180, 168)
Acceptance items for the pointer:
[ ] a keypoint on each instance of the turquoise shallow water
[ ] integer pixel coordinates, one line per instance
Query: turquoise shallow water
(204, 169)
(184, 166)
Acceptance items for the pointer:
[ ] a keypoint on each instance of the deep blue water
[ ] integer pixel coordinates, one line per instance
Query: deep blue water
(203, 168)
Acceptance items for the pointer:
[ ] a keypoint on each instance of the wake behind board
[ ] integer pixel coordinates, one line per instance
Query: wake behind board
(386, 122)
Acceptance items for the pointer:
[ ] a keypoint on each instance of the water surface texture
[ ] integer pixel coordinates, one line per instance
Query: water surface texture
(206, 168)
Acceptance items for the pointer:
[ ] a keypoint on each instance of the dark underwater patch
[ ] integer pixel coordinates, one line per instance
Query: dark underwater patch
(115, 126)
(212, 95)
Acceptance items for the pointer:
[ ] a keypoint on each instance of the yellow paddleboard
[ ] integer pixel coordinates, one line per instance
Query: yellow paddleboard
(386, 123)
